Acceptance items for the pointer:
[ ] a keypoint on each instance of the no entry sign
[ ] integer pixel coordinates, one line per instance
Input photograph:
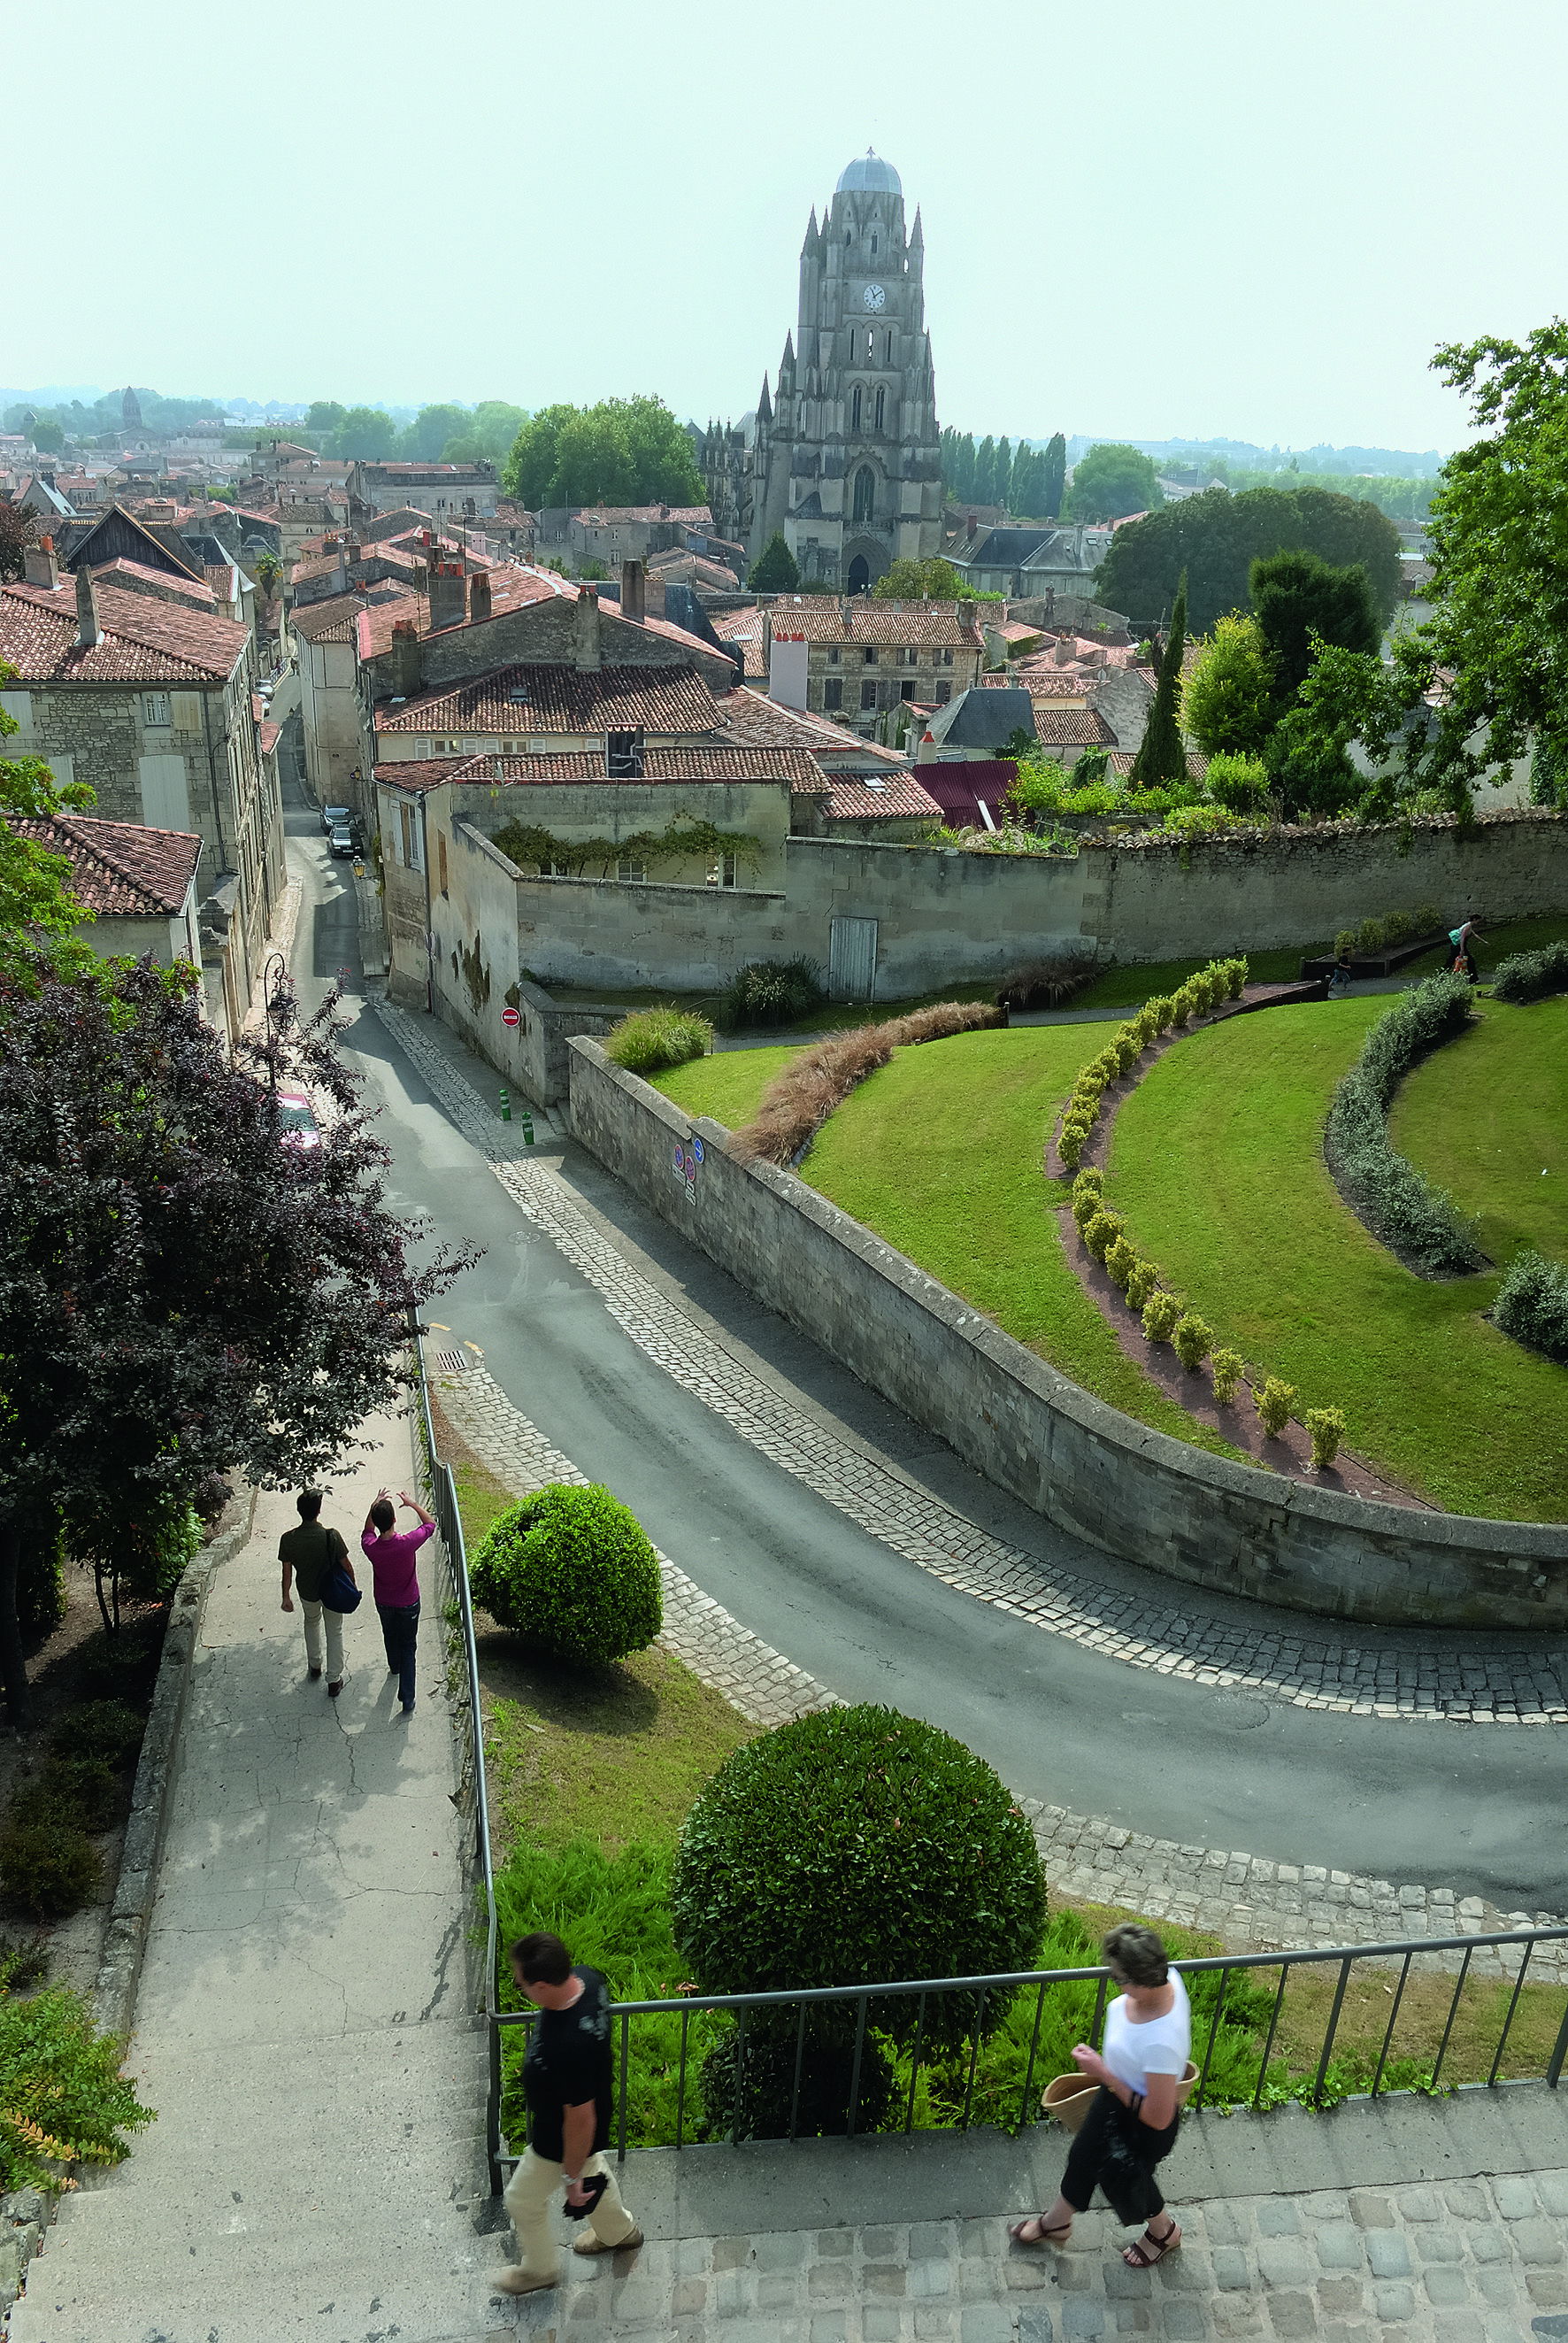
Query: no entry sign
(511, 1017)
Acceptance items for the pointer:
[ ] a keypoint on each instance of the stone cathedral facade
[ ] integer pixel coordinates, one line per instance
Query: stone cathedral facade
(843, 455)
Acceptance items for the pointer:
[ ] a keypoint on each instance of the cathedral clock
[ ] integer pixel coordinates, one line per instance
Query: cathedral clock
(874, 297)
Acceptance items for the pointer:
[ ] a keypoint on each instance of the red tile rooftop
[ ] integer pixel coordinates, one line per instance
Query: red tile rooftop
(558, 700)
(141, 640)
(118, 869)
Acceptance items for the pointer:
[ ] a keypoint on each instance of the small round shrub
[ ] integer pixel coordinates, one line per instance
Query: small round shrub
(1273, 1404)
(1182, 1004)
(770, 992)
(1327, 1427)
(1142, 1281)
(1345, 941)
(1120, 1260)
(1089, 1084)
(1226, 1367)
(857, 1846)
(49, 1868)
(1086, 1200)
(1237, 972)
(1103, 1232)
(1240, 784)
(1429, 921)
(1146, 1025)
(1369, 936)
(1071, 1141)
(107, 1729)
(81, 1793)
(1398, 928)
(1531, 1304)
(1090, 1182)
(1128, 1049)
(1162, 1313)
(1193, 1341)
(1164, 1009)
(648, 1040)
(571, 1569)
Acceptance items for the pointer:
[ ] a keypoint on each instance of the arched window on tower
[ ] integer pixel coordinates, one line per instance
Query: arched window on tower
(870, 340)
(889, 346)
(855, 408)
(873, 244)
(881, 408)
(865, 493)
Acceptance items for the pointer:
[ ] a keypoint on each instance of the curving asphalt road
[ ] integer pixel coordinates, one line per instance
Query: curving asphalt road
(1476, 1807)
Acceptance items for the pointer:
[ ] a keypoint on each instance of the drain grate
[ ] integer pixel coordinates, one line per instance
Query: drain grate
(450, 1362)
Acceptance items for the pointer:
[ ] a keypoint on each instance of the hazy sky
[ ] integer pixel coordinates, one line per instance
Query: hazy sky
(1217, 218)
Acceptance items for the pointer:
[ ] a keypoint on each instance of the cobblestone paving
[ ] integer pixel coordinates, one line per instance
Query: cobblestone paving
(1249, 1902)
(764, 1686)
(1468, 2261)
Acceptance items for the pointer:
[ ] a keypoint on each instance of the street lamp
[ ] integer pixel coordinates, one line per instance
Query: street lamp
(274, 991)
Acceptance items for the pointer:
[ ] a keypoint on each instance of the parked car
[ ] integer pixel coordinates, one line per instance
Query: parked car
(334, 817)
(345, 841)
(297, 1126)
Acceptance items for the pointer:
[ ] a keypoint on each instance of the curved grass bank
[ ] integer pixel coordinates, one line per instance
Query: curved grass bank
(1216, 1160)
(1486, 1117)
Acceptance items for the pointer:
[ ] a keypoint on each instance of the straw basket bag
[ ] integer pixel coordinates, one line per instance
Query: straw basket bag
(1069, 2097)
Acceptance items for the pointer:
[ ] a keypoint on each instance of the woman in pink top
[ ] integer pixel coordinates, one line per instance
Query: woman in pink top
(390, 1553)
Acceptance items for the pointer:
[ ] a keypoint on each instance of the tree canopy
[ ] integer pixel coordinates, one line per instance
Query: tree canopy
(775, 569)
(1215, 539)
(368, 432)
(622, 451)
(1303, 602)
(1228, 701)
(38, 910)
(915, 581)
(1110, 480)
(1162, 756)
(1024, 480)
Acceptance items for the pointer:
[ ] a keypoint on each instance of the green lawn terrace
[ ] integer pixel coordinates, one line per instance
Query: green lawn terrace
(1215, 1159)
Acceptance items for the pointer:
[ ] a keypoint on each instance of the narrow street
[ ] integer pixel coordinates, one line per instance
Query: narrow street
(1475, 1806)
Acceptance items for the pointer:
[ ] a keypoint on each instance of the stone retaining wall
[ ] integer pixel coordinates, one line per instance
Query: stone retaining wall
(1134, 1492)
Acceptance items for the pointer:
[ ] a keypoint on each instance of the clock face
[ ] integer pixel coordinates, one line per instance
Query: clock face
(875, 298)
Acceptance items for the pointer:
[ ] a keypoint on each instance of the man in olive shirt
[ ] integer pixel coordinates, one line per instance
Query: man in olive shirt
(307, 1554)
(568, 2082)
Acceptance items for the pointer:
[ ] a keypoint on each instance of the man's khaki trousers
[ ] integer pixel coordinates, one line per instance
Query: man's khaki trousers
(527, 2202)
(316, 1613)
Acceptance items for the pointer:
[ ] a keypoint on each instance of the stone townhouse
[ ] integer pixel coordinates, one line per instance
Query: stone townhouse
(611, 534)
(447, 492)
(856, 660)
(151, 704)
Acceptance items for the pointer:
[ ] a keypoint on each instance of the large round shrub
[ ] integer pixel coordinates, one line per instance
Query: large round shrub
(571, 1569)
(852, 1847)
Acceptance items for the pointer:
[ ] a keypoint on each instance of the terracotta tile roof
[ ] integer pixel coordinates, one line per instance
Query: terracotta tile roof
(332, 620)
(752, 720)
(267, 735)
(559, 700)
(119, 868)
(822, 619)
(1071, 727)
(511, 588)
(745, 627)
(901, 798)
(1069, 683)
(699, 763)
(142, 640)
(199, 595)
(612, 516)
(418, 476)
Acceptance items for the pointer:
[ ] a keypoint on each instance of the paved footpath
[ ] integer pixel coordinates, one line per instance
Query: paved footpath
(303, 2026)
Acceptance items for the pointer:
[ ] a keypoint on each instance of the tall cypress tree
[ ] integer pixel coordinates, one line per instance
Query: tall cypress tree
(1055, 483)
(1162, 758)
(775, 571)
(980, 491)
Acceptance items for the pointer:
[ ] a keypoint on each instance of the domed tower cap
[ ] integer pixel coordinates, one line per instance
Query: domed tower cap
(868, 174)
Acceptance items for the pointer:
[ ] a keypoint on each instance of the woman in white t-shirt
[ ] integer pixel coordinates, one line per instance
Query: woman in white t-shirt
(1132, 2124)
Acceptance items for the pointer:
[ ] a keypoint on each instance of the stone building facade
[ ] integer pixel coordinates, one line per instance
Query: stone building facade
(842, 457)
(856, 659)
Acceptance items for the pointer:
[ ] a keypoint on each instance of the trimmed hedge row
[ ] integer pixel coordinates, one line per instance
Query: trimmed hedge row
(1531, 1304)
(1531, 975)
(1417, 1222)
(1222, 980)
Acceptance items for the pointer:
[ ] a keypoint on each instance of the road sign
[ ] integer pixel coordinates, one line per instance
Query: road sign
(511, 1017)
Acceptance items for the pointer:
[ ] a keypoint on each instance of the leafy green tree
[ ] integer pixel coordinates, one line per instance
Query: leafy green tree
(323, 416)
(1162, 758)
(620, 452)
(984, 489)
(1215, 537)
(1228, 701)
(913, 581)
(1110, 480)
(1300, 600)
(38, 911)
(959, 465)
(428, 435)
(1346, 695)
(367, 432)
(776, 571)
(1055, 484)
(48, 438)
(488, 434)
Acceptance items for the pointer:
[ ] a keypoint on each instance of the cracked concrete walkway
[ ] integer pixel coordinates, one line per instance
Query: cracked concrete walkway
(303, 2026)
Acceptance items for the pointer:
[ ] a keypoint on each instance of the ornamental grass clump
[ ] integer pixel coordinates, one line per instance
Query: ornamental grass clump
(1161, 1315)
(770, 992)
(851, 1847)
(1418, 1223)
(1193, 1340)
(570, 1569)
(1226, 1367)
(651, 1040)
(1326, 1426)
(817, 1081)
(1273, 1404)
(1531, 1304)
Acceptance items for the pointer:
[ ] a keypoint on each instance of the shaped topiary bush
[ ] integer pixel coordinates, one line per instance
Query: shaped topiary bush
(1531, 1304)
(1327, 1427)
(1163, 1006)
(1369, 936)
(1073, 1139)
(1120, 1260)
(571, 1569)
(1398, 929)
(1226, 1367)
(1143, 1280)
(1273, 1404)
(1161, 1314)
(1193, 1340)
(1416, 1221)
(1103, 1232)
(1087, 1192)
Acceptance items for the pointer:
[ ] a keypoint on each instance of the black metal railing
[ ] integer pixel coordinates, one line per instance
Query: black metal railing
(473, 1789)
(1310, 2080)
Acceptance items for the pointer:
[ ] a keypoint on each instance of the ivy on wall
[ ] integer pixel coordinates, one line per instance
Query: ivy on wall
(532, 847)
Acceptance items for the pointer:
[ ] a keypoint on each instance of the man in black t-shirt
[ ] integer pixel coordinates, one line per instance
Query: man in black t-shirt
(568, 2082)
(307, 1554)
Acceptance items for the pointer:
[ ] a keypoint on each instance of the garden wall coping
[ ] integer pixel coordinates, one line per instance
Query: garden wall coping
(1135, 1491)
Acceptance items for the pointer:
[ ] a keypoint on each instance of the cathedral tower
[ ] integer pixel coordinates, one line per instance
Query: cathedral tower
(843, 455)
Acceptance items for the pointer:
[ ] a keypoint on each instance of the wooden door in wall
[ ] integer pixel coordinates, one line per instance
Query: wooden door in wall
(852, 959)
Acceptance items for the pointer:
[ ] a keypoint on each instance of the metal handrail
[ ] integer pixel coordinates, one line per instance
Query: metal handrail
(448, 1516)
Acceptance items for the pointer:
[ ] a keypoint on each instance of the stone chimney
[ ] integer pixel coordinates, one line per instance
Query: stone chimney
(585, 633)
(407, 659)
(89, 630)
(479, 596)
(39, 566)
(632, 578)
(448, 594)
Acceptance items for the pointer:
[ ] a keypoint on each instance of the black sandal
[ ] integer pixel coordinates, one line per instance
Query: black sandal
(1043, 2234)
(1148, 2249)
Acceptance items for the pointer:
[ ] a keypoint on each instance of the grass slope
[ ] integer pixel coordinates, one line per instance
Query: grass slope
(727, 1086)
(1487, 1118)
(1216, 1160)
(939, 1154)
